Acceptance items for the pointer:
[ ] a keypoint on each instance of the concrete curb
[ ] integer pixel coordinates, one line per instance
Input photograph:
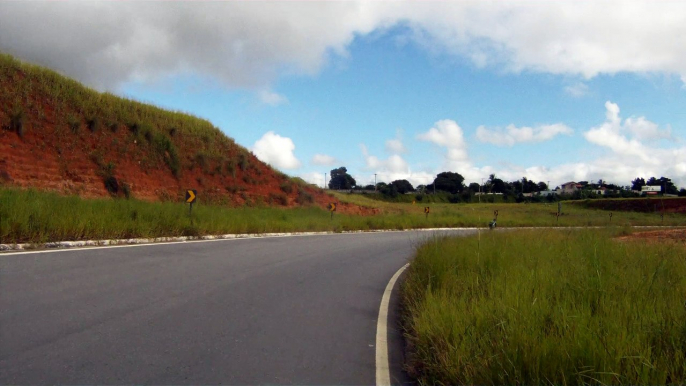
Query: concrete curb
(113, 242)
(230, 236)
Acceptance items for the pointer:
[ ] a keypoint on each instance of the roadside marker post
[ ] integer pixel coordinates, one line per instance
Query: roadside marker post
(426, 211)
(332, 208)
(191, 196)
(610, 216)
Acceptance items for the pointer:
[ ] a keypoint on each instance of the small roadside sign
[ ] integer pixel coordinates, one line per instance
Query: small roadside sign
(332, 207)
(427, 209)
(191, 196)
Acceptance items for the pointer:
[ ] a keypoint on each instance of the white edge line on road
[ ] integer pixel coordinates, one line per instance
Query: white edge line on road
(383, 369)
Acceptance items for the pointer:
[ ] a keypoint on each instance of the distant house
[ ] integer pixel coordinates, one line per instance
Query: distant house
(569, 187)
(600, 191)
(547, 193)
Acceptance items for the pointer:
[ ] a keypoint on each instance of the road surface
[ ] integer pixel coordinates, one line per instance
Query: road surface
(287, 310)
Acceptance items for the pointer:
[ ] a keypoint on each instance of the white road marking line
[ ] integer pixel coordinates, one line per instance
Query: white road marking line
(383, 371)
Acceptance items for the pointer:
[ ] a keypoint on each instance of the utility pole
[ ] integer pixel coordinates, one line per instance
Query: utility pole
(482, 182)
(375, 182)
(435, 185)
(324, 180)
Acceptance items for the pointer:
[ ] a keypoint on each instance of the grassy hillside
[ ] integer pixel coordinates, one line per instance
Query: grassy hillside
(60, 135)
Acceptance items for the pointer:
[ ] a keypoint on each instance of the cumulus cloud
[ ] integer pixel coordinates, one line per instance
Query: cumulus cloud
(276, 151)
(271, 98)
(627, 155)
(394, 168)
(447, 133)
(512, 134)
(631, 144)
(324, 160)
(395, 145)
(249, 44)
(313, 178)
(577, 90)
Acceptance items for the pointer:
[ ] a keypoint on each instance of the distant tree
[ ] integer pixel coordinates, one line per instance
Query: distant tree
(474, 187)
(666, 184)
(388, 190)
(340, 179)
(682, 192)
(516, 186)
(403, 186)
(420, 188)
(498, 186)
(542, 186)
(448, 182)
(528, 186)
(369, 187)
(638, 183)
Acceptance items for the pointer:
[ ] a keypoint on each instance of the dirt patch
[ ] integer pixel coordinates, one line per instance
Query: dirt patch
(648, 205)
(668, 235)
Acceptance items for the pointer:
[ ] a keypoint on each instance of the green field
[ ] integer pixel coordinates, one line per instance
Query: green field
(547, 307)
(34, 216)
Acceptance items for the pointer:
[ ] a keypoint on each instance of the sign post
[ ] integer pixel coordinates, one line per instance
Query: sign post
(426, 211)
(191, 196)
(332, 208)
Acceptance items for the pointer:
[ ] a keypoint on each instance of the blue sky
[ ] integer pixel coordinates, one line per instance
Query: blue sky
(404, 90)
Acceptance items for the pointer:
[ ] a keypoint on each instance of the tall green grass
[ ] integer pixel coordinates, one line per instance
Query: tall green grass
(36, 216)
(547, 307)
(519, 215)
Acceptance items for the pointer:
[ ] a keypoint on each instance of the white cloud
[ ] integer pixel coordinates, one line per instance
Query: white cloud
(393, 168)
(248, 44)
(512, 134)
(313, 178)
(395, 145)
(447, 133)
(271, 98)
(323, 159)
(276, 151)
(627, 156)
(577, 90)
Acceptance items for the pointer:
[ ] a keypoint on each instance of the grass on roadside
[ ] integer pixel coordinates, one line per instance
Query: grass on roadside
(547, 307)
(35, 216)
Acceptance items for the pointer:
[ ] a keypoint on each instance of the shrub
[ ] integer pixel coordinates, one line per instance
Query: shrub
(243, 162)
(17, 122)
(74, 124)
(278, 198)
(92, 123)
(287, 187)
(304, 197)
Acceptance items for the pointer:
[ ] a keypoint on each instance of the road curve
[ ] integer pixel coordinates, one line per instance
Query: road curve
(284, 310)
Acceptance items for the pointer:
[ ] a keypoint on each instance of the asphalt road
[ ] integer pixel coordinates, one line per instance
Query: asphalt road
(285, 310)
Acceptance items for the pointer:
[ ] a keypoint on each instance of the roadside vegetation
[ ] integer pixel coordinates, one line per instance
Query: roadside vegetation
(36, 216)
(546, 307)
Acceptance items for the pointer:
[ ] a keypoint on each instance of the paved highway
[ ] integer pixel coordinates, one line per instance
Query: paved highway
(272, 310)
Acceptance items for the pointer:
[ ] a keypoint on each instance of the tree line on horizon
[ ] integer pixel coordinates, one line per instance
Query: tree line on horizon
(453, 183)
